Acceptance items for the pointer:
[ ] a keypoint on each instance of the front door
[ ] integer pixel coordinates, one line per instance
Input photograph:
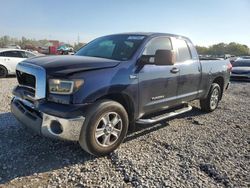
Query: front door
(157, 85)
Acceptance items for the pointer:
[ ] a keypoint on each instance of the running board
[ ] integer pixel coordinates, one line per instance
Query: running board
(164, 116)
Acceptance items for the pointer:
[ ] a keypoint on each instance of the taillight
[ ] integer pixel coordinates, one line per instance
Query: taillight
(229, 67)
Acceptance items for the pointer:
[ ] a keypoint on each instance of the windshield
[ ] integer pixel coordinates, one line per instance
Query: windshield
(116, 47)
(241, 63)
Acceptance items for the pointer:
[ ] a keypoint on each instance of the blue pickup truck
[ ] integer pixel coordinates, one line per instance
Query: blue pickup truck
(111, 84)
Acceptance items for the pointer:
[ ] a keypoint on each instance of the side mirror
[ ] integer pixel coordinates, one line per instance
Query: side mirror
(164, 57)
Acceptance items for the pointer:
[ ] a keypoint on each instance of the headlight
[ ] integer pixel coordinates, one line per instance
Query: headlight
(64, 87)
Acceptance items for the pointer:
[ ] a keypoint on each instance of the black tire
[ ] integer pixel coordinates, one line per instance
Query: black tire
(103, 110)
(3, 72)
(210, 103)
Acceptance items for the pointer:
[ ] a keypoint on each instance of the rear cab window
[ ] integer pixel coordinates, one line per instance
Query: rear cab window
(183, 51)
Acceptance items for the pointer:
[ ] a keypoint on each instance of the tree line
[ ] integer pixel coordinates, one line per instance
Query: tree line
(26, 43)
(223, 48)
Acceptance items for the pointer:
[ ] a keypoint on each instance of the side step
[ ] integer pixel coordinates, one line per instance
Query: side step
(165, 116)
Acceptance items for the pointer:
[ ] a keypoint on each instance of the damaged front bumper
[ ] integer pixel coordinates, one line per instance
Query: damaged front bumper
(46, 124)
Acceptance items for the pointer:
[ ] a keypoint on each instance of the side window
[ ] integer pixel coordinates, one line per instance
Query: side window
(2, 54)
(160, 43)
(28, 54)
(23, 54)
(183, 50)
(13, 54)
(193, 51)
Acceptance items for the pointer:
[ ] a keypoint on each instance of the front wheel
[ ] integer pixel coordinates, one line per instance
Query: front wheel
(210, 103)
(105, 128)
(3, 72)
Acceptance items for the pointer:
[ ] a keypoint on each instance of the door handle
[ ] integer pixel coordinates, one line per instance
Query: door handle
(174, 70)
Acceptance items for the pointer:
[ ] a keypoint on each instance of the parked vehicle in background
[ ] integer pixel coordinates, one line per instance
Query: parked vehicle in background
(13, 46)
(65, 50)
(9, 58)
(96, 95)
(241, 69)
(244, 57)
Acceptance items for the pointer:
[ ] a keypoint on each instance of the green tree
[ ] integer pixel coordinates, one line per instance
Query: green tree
(202, 50)
(237, 49)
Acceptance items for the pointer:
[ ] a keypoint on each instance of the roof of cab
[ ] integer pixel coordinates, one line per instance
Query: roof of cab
(153, 34)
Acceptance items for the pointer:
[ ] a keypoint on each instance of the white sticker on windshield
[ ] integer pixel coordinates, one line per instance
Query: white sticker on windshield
(136, 37)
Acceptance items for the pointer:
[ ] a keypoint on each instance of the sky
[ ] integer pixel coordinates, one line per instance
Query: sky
(205, 22)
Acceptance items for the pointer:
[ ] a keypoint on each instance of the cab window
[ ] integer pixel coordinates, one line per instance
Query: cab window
(159, 43)
(183, 50)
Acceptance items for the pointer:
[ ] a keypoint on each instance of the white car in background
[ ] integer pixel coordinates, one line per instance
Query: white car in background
(9, 58)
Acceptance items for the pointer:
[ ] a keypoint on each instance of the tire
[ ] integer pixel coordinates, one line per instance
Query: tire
(3, 72)
(99, 136)
(210, 103)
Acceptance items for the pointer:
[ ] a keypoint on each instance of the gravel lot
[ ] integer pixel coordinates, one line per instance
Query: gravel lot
(192, 150)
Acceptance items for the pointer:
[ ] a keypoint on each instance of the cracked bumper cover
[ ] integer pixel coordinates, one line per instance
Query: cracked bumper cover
(41, 122)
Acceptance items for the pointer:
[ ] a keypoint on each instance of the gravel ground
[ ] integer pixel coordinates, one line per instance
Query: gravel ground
(191, 150)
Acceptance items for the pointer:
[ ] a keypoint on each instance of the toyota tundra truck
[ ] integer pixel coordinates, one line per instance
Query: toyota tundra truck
(112, 84)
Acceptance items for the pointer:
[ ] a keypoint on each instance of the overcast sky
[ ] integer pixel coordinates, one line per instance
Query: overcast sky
(205, 22)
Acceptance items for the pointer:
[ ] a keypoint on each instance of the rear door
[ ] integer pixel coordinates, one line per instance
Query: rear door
(189, 70)
(157, 85)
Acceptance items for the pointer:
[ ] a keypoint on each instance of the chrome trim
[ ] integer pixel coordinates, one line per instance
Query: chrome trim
(27, 87)
(41, 124)
(40, 75)
(165, 116)
(71, 128)
(133, 77)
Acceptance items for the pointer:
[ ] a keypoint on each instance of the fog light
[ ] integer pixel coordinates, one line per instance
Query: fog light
(56, 127)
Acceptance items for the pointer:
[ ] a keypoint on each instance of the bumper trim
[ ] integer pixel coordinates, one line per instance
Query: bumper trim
(41, 122)
(71, 128)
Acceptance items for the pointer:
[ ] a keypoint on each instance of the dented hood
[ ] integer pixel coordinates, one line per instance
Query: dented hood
(69, 64)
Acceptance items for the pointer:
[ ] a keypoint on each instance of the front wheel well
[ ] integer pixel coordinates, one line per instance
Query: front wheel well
(124, 100)
(220, 81)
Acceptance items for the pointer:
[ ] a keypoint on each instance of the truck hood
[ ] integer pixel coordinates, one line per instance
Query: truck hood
(69, 64)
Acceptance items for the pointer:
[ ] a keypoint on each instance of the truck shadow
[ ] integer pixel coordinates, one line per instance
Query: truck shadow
(141, 129)
(23, 154)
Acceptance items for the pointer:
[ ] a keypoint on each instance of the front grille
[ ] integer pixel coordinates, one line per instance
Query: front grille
(25, 79)
(33, 78)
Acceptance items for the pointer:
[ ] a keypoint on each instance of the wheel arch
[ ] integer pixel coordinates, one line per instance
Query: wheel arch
(220, 81)
(4, 66)
(124, 100)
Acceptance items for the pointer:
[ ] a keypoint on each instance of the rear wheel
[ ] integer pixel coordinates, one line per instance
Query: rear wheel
(105, 128)
(3, 72)
(210, 103)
